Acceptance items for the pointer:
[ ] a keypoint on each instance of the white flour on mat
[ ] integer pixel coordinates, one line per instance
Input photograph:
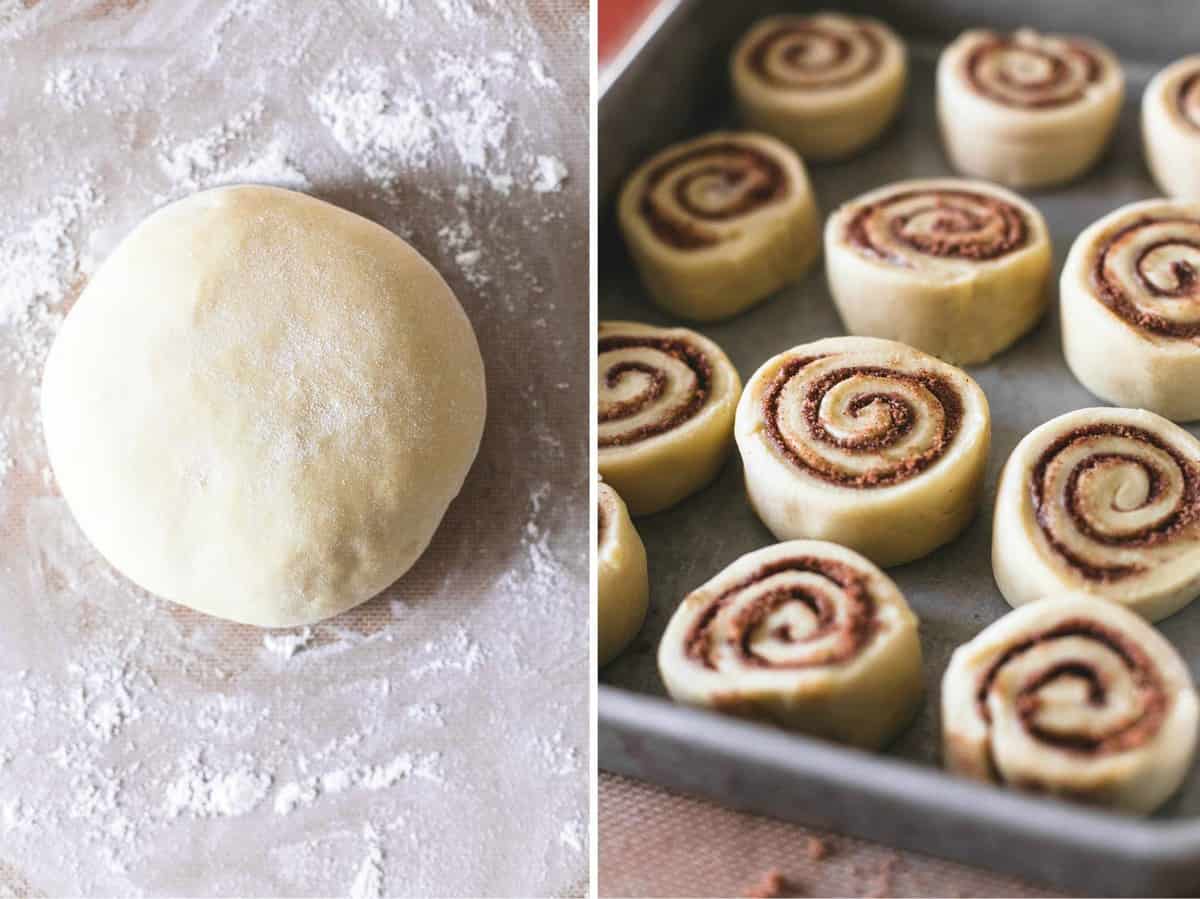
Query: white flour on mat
(434, 742)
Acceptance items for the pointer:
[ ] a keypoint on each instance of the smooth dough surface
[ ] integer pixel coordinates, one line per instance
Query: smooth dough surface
(1130, 308)
(1027, 109)
(622, 584)
(666, 399)
(1104, 502)
(826, 84)
(718, 223)
(1171, 128)
(1071, 697)
(261, 406)
(950, 266)
(863, 442)
(804, 634)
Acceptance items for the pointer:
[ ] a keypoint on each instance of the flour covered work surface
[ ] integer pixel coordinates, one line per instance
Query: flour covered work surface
(432, 740)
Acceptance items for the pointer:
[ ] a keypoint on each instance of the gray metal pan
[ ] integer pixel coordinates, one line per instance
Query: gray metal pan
(671, 83)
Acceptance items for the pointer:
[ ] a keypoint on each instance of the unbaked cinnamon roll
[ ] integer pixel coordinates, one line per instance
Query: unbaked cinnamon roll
(827, 84)
(952, 267)
(1130, 300)
(1026, 109)
(1072, 697)
(864, 442)
(1104, 502)
(622, 584)
(807, 635)
(666, 399)
(1171, 128)
(718, 223)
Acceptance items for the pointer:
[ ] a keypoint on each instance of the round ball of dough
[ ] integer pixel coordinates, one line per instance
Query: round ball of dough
(262, 405)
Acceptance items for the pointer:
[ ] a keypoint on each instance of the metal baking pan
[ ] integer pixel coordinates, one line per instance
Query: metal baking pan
(672, 83)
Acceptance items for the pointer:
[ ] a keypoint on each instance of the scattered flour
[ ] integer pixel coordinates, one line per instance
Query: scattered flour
(295, 794)
(549, 175)
(368, 882)
(287, 645)
(71, 86)
(573, 835)
(205, 793)
(40, 262)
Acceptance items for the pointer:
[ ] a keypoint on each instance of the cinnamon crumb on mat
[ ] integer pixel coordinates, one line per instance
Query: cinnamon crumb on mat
(772, 885)
(818, 849)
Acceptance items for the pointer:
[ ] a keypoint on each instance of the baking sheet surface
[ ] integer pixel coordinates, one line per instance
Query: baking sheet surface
(951, 590)
(433, 741)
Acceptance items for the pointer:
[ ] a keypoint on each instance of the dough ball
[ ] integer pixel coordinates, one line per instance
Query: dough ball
(262, 405)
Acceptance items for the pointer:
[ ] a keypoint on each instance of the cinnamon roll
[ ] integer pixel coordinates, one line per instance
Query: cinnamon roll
(1130, 302)
(953, 267)
(1171, 128)
(1104, 502)
(827, 84)
(622, 585)
(807, 635)
(865, 442)
(1074, 698)
(718, 223)
(666, 400)
(1026, 109)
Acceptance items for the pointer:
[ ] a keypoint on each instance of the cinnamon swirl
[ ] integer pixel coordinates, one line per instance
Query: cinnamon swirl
(1171, 128)
(827, 84)
(1075, 698)
(805, 634)
(1104, 502)
(865, 442)
(666, 399)
(1026, 109)
(1130, 302)
(718, 223)
(952, 267)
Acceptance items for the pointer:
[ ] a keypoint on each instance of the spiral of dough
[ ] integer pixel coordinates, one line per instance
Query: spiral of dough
(1148, 272)
(865, 442)
(1027, 70)
(1130, 307)
(861, 425)
(665, 404)
(1027, 109)
(815, 52)
(649, 384)
(717, 223)
(1072, 697)
(954, 267)
(1171, 128)
(695, 199)
(827, 84)
(909, 228)
(784, 628)
(1104, 501)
